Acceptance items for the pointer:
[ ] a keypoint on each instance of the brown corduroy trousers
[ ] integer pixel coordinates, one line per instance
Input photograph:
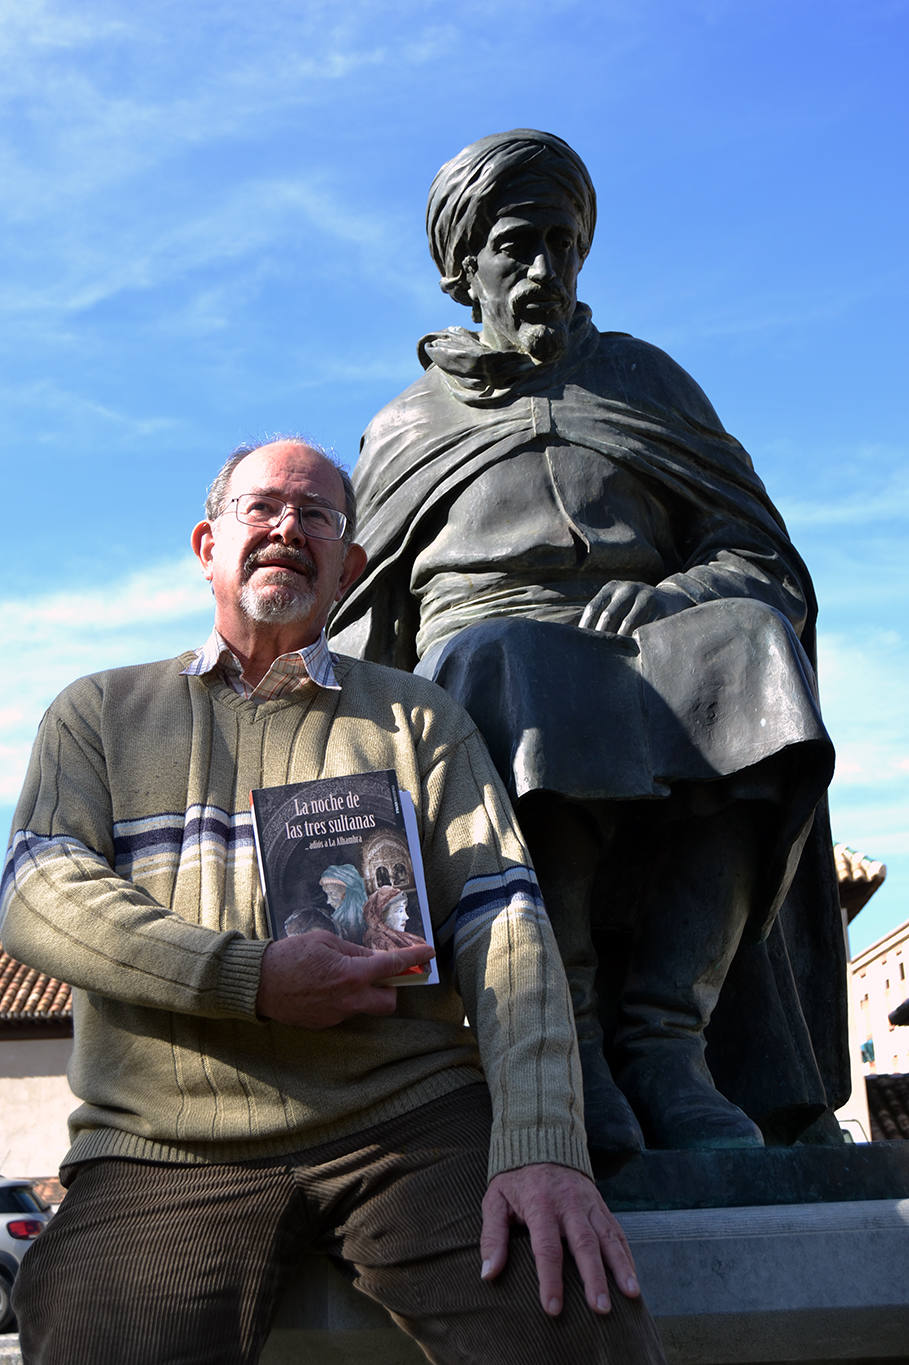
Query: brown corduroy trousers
(150, 1264)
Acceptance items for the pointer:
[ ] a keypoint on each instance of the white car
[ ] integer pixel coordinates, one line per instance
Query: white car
(23, 1214)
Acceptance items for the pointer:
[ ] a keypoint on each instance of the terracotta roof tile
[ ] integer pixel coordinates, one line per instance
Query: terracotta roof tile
(26, 994)
(859, 877)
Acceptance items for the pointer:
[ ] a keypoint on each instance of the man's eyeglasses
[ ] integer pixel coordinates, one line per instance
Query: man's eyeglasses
(257, 509)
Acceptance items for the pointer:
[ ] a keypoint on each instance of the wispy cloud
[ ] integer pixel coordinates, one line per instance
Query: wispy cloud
(51, 400)
(761, 315)
(863, 688)
(872, 487)
(142, 255)
(156, 613)
(83, 141)
(353, 372)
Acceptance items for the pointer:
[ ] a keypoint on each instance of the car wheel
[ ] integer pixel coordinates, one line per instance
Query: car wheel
(6, 1312)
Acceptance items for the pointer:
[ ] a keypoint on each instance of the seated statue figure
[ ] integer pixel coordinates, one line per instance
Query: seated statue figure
(562, 534)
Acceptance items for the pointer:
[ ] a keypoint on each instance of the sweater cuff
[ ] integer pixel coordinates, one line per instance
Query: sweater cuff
(529, 1146)
(238, 980)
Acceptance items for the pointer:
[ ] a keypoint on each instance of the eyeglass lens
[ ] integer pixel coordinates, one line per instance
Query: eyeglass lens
(323, 523)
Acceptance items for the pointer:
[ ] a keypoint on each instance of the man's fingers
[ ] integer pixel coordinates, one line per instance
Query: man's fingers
(556, 1204)
(382, 963)
(547, 1252)
(616, 1254)
(316, 980)
(345, 947)
(585, 1244)
(494, 1235)
(377, 999)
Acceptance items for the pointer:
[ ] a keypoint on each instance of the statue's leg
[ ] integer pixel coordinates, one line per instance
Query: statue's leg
(566, 846)
(692, 920)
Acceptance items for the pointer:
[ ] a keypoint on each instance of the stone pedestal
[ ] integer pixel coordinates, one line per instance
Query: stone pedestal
(805, 1282)
(813, 1283)
(799, 1274)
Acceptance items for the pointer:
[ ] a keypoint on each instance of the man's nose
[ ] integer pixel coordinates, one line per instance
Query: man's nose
(288, 528)
(540, 266)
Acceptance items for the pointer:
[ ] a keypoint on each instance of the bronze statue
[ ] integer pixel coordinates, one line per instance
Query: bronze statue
(562, 534)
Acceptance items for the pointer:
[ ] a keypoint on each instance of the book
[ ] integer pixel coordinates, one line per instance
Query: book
(342, 854)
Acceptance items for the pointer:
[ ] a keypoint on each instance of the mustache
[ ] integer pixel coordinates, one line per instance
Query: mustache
(527, 292)
(273, 554)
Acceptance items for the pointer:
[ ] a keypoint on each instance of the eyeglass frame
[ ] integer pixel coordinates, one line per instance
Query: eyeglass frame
(297, 508)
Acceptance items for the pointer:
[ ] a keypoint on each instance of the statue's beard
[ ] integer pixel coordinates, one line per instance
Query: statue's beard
(543, 342)
(545, 337)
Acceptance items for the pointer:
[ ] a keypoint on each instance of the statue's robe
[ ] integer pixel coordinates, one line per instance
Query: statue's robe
(496, 497)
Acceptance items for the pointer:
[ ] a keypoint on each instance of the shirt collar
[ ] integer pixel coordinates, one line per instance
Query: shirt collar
(313, 663)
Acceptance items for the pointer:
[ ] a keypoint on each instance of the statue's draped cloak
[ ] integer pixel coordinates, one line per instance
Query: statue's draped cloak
(777, 1042)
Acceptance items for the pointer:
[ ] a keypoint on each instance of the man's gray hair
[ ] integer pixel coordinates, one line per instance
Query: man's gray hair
(216, 500)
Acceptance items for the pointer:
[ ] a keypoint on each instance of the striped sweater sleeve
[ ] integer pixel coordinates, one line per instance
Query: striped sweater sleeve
(509, 972)
(63, 906)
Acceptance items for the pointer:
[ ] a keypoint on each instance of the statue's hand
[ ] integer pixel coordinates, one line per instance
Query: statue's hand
(619, 608)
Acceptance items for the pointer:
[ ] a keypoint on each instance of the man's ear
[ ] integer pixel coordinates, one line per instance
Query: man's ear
(202, 540)
(354, 564)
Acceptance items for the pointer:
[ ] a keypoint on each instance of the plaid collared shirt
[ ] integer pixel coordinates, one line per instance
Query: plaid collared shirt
(287, 672)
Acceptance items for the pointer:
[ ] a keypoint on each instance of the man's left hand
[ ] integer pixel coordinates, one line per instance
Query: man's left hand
(557, 1204)
(621, 607)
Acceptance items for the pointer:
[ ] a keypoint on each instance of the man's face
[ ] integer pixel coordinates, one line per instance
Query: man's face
(524, 278)
(277, 576)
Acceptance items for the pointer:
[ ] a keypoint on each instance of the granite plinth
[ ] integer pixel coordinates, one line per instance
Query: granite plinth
(816, 1283)
(756, 1177)
(808, 1282)
(811, 1283)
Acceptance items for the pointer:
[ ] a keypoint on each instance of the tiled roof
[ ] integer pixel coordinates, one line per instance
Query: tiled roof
(888, 1105)
(859, 877)
(29, 996)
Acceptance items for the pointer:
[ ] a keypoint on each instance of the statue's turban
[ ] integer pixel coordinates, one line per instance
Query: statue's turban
(460, 210)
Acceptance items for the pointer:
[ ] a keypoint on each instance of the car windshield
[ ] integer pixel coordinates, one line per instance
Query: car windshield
(20, 1199)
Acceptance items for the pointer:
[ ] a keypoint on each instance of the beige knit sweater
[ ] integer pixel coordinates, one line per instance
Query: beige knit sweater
(132, 875)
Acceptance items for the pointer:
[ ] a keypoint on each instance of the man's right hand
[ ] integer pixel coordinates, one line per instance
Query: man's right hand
(317, 979)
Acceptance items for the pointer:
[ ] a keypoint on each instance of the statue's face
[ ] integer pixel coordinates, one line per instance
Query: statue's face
(396, 912)
(334, 891)
(524, 278)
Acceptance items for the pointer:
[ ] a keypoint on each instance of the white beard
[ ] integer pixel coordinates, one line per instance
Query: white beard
(277, 605)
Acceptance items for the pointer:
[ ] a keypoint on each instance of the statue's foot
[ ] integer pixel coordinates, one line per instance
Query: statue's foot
(679, 1108)
(612, 1129)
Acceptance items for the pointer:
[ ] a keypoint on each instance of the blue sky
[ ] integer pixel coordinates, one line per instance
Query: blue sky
(213, 230)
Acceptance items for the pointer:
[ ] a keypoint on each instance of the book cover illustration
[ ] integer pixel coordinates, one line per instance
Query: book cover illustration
(342, 854)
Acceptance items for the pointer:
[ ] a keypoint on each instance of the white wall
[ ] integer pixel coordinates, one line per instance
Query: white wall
(35, 1101)
(880, 980)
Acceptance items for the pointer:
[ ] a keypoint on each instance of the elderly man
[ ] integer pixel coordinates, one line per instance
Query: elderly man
(560, 531)
(246, 1099)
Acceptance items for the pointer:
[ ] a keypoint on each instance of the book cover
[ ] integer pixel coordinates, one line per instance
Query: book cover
(342, 854)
